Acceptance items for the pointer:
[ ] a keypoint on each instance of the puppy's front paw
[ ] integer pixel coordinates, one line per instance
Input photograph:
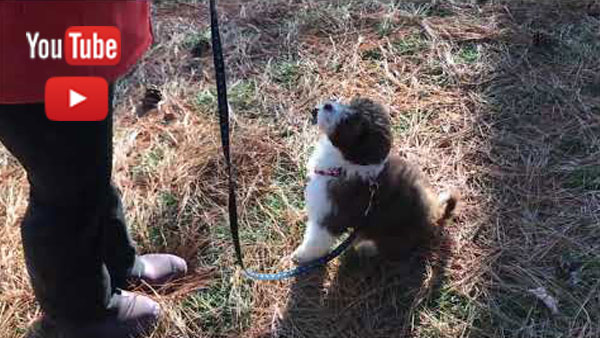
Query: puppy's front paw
(305, 254)
(300, 255)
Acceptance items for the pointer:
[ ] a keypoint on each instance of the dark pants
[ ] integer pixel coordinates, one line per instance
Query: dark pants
(76, 244)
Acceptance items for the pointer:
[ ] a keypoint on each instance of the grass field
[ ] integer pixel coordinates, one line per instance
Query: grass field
(499, 99)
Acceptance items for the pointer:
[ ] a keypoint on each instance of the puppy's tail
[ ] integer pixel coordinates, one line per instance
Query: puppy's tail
(448, 201)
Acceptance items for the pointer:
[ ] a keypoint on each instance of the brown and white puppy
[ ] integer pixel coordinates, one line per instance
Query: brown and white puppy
(355, 182)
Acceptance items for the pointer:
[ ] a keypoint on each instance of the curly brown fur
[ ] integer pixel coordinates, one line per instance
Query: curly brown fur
(404, 210)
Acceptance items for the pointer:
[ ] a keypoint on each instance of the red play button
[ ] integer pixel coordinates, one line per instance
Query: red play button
(76, 99)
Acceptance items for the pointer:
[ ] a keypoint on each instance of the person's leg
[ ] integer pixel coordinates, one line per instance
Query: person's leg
(74, 224)
(77, 247)
(68, 169)
(120, 256)
(119, 253)
(118, 250)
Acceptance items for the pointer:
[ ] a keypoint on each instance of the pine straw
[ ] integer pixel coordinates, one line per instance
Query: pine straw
(499, 100)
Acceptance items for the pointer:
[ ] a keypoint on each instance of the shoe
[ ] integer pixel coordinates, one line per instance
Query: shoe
(129, 315)
(157, 269)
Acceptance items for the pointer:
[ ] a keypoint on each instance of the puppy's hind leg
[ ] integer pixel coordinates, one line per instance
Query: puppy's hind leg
(366, 248)
(316, 243)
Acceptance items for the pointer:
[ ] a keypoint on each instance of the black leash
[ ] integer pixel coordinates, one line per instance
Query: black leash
(224, 122)
(233, 216)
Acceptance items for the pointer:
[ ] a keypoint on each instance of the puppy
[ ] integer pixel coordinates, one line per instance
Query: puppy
(355, 182)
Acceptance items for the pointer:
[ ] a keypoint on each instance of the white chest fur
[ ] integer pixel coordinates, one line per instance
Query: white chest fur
(327, 156)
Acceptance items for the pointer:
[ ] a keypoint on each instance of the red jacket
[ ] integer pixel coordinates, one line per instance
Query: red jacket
(22, 80)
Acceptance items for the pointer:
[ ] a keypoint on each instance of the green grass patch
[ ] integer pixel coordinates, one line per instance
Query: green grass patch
(243, 94)
(335, 66)
(385, 27)
(577, 42)
(590, 269)
(372, 54)
(453, 304)
(286, 72)
(157, 237)
(265, 218)
(148, 162)
(450, 307)
(153, 158)
(584, 178)
(469, 54)
(572, 146)
(331, 18)
(416, 9)
(401, 124)
(409, 45)
(193, 40)
(578, 269)
(221, 309)
(434, 73)
(206, 98)
(439, 10)
(275, 203)
(168, 200)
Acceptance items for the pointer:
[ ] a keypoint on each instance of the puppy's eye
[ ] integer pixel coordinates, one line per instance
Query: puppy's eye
(328, 107)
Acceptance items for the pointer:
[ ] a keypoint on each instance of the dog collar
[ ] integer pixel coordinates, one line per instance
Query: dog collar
(334, 172)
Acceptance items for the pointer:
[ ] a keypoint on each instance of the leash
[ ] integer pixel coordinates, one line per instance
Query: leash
(232, 206)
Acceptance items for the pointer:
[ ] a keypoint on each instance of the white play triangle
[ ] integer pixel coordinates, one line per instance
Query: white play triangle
(75, 98)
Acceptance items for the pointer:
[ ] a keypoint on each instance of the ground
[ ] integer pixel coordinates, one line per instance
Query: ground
(498, 99)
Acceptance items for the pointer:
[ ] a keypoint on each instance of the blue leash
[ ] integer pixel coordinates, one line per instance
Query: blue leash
(233, 216)
(305, 268)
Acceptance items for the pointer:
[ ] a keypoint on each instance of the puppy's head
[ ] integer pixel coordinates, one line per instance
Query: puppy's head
(360, 130)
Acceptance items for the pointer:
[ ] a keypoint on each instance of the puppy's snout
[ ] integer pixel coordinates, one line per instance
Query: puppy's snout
(328, 107)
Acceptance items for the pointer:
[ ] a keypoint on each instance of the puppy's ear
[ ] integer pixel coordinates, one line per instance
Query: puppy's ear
(365, 136)
(349, 133)
(373, 147)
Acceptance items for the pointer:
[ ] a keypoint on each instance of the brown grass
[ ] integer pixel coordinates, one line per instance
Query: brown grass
(499, 99)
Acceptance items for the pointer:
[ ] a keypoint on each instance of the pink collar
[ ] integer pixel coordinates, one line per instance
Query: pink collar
(334, 172)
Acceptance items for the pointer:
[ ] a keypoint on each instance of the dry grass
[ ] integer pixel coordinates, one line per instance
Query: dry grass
(500, 99)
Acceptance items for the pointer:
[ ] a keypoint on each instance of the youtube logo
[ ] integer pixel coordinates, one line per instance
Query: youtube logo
(76, 99)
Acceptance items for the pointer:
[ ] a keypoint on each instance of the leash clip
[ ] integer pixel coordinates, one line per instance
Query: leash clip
(373, 187)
